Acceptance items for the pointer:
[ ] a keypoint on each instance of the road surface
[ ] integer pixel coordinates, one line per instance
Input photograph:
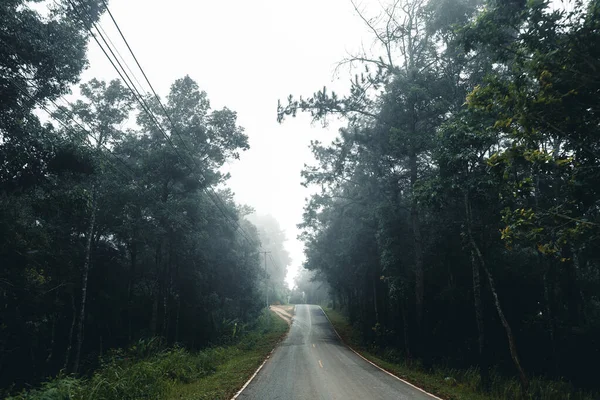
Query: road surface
(311, 363)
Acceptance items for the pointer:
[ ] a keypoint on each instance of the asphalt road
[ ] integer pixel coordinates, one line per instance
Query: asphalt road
(312, 363)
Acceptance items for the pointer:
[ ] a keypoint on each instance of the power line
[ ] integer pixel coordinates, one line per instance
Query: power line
(59, 108)
(155, 120)
(138, 97)
(84, 130)
(49, 112)
(147, 109)
(273, 261)
(88, 133)
(167, 114)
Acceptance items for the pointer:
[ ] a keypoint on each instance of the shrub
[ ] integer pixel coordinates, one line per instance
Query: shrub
(59, 388)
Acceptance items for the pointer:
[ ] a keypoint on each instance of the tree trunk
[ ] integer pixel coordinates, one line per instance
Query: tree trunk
(168, 285)
(157, 291)
(375, 300)
(511, 340)
(177, 319)
(571, 288)
(52, 339)
(84, 280)
(483, 362)
(154, 316)
(416, 228)
(130, 281)
(484, 372)
(71, 331)
(551, 325)
(405, 330)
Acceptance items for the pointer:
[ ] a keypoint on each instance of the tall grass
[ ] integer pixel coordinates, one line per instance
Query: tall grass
(456, 384)
(148, 370)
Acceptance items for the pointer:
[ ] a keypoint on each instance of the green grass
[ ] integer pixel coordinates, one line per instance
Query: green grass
(237, 364)
(147, 372)
(453, 384)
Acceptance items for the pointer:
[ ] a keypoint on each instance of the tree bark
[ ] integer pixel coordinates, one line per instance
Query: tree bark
(550, 319)
(571, 288)
(405, 330)
(375, 308)
(157, 291)
(418, 243)
(53, 335)
(71, 331)
(177, 319)
(154, 316)
(84, 280)
(130, 281)
(511, 340)
(484, 372)
(483, 364)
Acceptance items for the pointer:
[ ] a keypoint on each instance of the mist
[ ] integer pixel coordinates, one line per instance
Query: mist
(273, 199)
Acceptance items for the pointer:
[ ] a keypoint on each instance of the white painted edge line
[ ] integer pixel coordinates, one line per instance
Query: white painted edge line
(253, 376)
(375, 365)
(259, 368)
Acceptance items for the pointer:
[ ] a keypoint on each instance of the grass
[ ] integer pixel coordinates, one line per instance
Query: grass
(147, 372)
(238, 363)
(453, 384)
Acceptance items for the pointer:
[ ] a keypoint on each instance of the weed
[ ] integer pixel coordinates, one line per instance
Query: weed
(455, 384)
(149, 370)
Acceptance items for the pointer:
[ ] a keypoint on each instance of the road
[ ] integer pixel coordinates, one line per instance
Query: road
(312, 363)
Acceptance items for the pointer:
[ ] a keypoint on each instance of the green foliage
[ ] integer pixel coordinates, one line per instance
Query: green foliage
(165, 256)
(452, 383)
(456, 219)
(149, 371)
(60, 388)
(273, 239)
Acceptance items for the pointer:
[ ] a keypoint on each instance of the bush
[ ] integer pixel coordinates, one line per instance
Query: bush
(60, 388)
(148, 370)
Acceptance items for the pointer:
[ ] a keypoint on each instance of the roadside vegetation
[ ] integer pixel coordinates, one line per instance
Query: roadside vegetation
(452, 383)
(147, 370)
(116, 220)
(456, 217)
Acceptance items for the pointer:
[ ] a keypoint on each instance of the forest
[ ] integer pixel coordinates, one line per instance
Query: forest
(116, 222)
(456, 218)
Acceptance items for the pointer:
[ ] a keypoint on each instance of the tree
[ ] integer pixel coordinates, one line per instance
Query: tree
(272, 239)
(469, 157)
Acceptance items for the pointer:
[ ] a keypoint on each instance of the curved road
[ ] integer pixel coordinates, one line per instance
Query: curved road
(312, 363)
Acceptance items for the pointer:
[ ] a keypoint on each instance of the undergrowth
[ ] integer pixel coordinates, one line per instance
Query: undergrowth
(455, 384)
(148, 371)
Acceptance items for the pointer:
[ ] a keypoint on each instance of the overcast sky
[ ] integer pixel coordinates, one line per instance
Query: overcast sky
(246, 55)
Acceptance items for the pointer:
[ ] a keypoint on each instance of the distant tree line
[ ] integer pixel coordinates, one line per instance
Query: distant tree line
(459, 216)
(112, 228)
(310, 288)
(274, 258)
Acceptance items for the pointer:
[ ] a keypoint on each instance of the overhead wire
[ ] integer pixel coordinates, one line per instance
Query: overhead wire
(129, 83)
(273, 262)
(85, 131)
(88, 133)
(167, 115)
(51, 114)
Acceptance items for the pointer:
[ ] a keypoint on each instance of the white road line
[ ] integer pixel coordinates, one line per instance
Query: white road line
(320, 364)
(375, 365)
(253, 376)
(261, 365)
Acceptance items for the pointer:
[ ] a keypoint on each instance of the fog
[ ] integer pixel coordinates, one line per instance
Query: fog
(149, 226)
(246, 56)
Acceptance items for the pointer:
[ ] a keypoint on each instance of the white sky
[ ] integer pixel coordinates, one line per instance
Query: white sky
(246, 55)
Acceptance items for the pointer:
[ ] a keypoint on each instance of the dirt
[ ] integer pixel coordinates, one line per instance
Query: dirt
(285, 312)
